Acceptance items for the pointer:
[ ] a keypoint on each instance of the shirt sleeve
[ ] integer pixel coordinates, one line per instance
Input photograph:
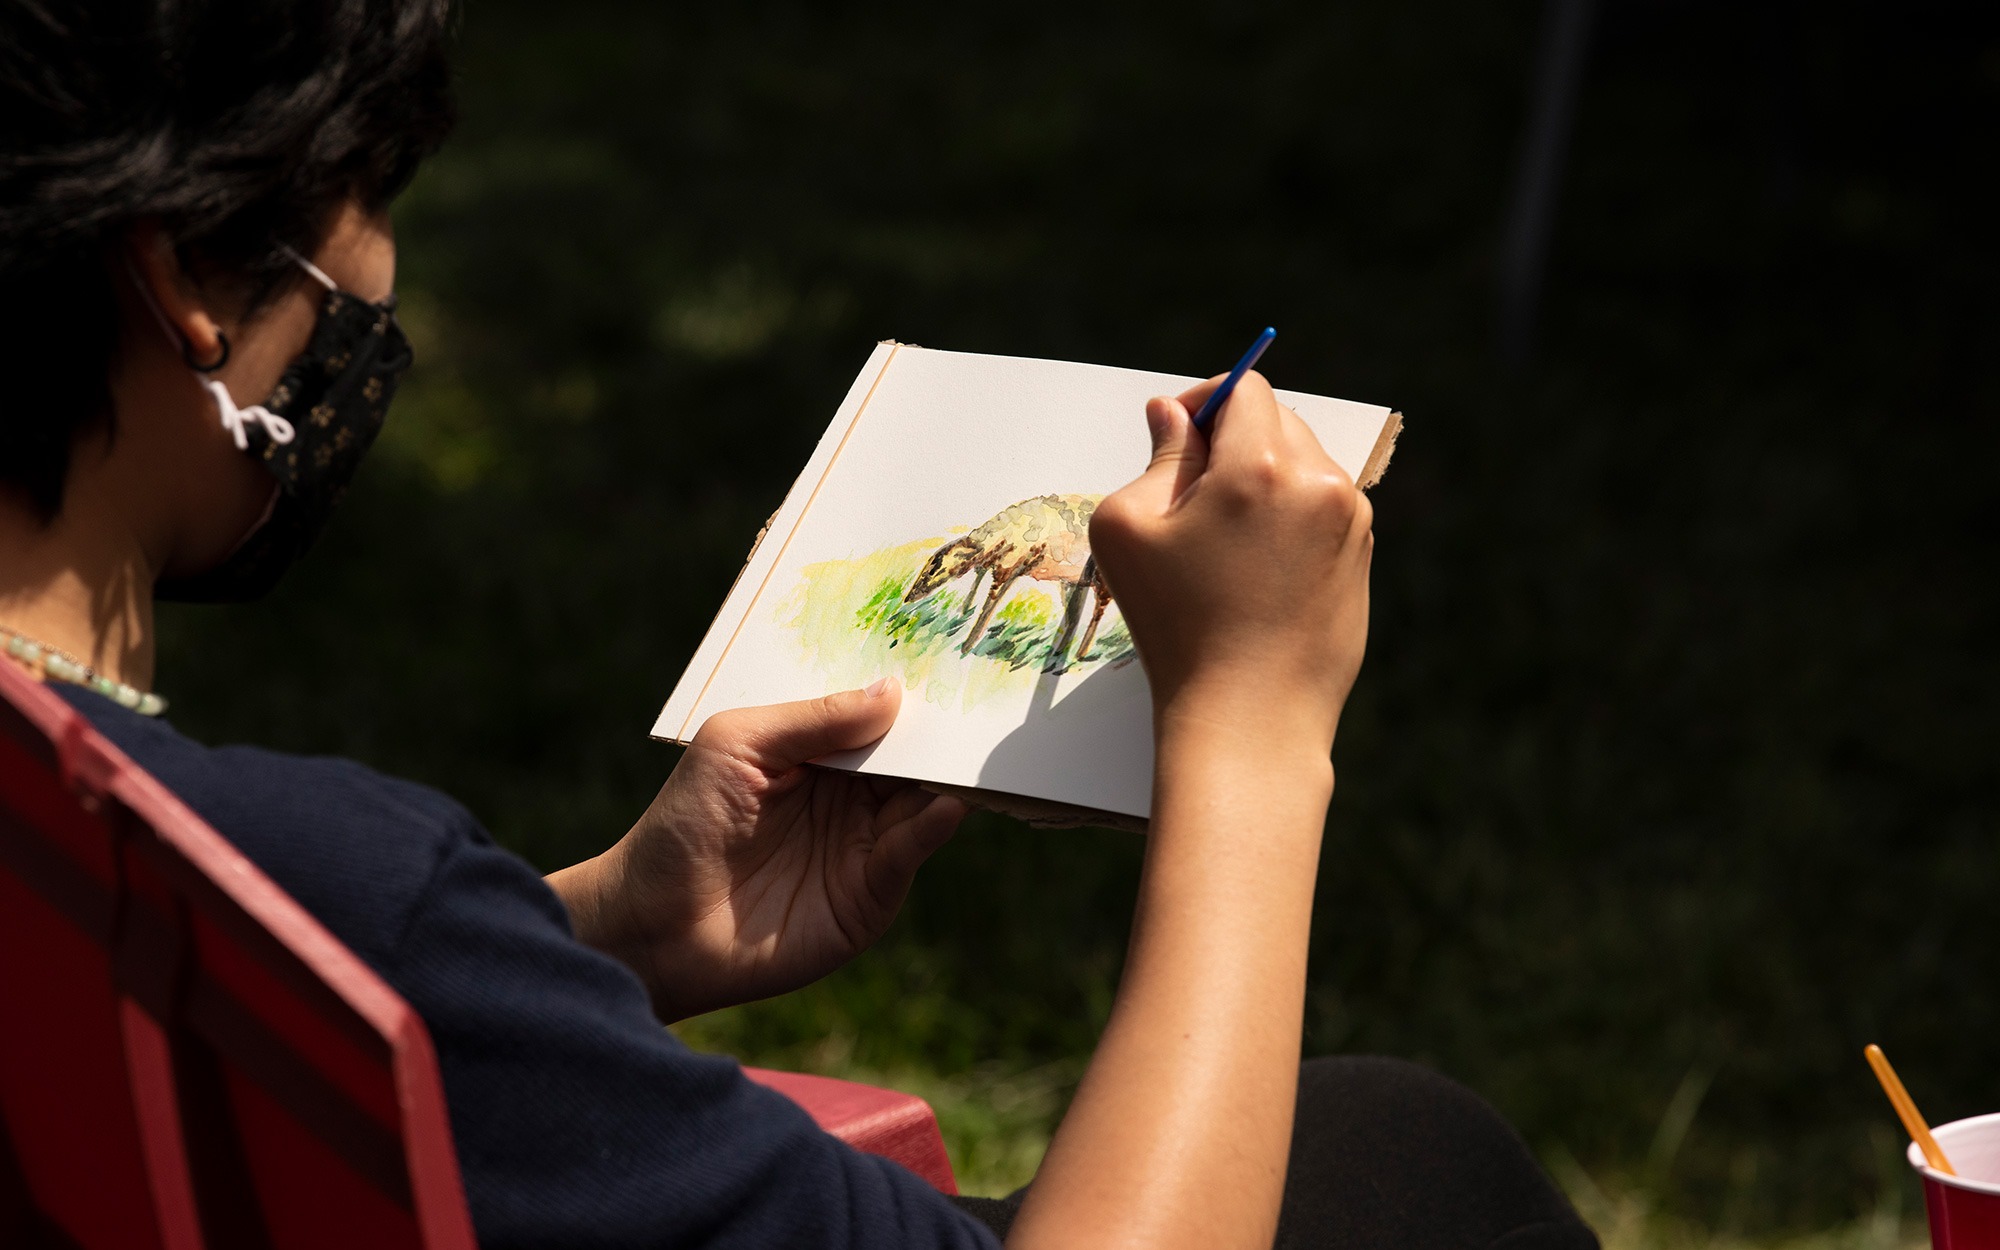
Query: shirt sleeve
(581, 1122)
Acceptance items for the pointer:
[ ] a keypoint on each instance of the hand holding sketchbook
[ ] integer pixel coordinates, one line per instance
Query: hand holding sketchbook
(940, 535)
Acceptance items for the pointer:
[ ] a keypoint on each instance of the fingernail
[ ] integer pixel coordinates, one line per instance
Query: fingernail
(876, 687)
(1158, 416)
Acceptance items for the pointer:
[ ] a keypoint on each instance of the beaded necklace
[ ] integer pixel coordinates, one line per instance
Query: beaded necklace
(52, 663)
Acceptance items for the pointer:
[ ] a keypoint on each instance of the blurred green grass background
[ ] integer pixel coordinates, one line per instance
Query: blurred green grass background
(1672, 756)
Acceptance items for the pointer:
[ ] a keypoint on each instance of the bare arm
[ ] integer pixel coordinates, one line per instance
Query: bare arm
(1242, 570)
(1243, 575)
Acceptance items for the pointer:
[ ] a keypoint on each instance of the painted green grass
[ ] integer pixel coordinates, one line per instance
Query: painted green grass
(853, 624)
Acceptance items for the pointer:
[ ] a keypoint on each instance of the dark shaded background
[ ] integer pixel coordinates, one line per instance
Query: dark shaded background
(1670, 767)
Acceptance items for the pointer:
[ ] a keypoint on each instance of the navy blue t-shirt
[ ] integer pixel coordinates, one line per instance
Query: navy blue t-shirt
(579, 1120)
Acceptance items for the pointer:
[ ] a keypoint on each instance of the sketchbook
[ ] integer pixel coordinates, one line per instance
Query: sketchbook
(939, 535)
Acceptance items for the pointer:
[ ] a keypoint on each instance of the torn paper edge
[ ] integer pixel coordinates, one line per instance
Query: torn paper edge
(1378, 456)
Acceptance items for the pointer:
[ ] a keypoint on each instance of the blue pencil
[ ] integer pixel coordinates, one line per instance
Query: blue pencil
(1206, 417)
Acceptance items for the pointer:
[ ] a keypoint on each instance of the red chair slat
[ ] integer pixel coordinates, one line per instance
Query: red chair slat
(882, 1122)
(191, 1060)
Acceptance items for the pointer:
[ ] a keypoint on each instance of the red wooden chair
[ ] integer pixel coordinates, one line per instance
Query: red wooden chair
(882, 1122)
(188, 1059)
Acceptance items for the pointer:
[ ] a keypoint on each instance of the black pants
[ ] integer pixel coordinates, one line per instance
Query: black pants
(1388, 1154)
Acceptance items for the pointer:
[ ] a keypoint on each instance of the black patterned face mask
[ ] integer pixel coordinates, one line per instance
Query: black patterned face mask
(311, 433)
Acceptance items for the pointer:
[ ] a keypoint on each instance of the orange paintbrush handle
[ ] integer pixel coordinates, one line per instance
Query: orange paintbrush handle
(1906, 1111)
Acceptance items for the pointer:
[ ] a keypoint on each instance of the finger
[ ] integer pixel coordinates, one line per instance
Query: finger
(1348, 507)
(781, 735)
(1195, 396)
(1299, 436)
(903, 848)
(1180, 455)
(1306, 449)
(1247, 427)
(901, 801)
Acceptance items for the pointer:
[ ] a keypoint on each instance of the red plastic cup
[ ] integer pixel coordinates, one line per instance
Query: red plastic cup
(1964, 1210)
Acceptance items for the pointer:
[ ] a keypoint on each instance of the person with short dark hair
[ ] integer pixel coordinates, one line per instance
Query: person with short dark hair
(197, 321)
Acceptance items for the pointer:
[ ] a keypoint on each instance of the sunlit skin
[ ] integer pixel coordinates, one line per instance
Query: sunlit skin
(1242, 571)
(165, 490)
(1244, 568)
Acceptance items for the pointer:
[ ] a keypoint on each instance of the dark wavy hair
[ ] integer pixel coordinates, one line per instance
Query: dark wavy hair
(239, 125)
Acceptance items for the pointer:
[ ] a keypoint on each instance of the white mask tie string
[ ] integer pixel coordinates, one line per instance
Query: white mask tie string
(318, 274)
(234, 419)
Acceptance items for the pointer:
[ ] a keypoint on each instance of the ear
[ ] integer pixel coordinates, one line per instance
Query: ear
(155, 266)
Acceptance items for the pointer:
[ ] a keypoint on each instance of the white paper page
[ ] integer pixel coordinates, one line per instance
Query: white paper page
(943, 450)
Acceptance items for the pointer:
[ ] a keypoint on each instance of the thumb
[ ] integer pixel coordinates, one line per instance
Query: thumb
(1180, 452)
(781, 735)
